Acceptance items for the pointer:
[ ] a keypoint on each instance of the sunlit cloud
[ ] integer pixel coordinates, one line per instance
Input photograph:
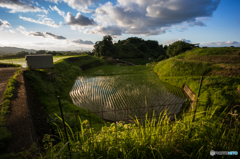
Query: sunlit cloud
(20, 6)
(41, 20)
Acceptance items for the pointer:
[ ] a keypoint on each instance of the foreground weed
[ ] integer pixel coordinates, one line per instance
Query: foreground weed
(157, 137)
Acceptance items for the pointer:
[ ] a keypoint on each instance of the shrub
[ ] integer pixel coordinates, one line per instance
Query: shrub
(178, 47)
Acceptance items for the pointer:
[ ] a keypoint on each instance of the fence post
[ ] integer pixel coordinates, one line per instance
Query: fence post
(197, 99)
(64, 124)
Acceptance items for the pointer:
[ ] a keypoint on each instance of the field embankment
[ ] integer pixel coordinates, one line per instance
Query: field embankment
(219, 67)
(65, 72)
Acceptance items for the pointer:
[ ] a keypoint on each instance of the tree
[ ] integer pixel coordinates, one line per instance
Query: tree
(178, 47)
(104, 47)
(40, 52)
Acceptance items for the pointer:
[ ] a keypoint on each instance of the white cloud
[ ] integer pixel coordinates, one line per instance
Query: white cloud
(79, 20)
(79, 5)
(41, 20)
(109, 30)
(221, 44)
(12, 31)
(169, 42)
(20, 6)
(23, 30)
(4, 23)
(153, 17)
(55, 8)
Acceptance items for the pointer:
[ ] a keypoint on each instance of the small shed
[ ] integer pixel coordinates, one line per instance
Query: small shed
(39, 61)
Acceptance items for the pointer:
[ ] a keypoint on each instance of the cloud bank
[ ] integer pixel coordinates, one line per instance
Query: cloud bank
(79, 5)
(20, 6)
(153, 17)
(221, 44)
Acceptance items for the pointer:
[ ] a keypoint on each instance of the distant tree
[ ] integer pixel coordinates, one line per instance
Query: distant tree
(143, 47)
(165, 47)
(178, 47)
(40, 52)
(104, 47)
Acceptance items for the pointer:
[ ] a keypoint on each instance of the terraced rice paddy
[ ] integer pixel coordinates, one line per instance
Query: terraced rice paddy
(117, 97)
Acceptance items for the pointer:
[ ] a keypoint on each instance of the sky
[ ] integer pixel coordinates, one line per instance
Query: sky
(77, 24)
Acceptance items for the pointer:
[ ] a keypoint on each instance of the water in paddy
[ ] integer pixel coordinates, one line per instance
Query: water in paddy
(117, 97)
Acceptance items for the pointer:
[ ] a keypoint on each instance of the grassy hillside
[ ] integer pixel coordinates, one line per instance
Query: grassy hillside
(66, 71)
(220, 68)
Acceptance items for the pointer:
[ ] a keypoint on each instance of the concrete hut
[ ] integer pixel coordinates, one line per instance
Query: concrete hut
(40, 61)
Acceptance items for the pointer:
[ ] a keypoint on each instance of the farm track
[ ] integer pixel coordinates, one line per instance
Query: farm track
(5, 74)
(22, 120)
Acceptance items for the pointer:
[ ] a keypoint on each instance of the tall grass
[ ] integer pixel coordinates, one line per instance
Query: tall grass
(162, 139)
(5, 134)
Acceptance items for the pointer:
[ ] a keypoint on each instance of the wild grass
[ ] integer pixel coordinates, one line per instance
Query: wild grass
(162, 139)
(5, 134)
(219, 87)
(139, 61)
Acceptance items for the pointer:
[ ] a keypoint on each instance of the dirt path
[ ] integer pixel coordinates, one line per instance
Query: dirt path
(18, 122)
(27, 120)
(5, 74)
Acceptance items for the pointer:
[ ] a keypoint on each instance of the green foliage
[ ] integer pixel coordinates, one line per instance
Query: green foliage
(132, 47)
(54, 53)
(178, 47)
(104, 47)
(5, 134)
(41, 52)
(139, 61)
(187, 68)
(161, 57)
(157, 137)
(65, 71)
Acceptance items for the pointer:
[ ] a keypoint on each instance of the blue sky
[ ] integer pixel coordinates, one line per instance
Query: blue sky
(78, 24)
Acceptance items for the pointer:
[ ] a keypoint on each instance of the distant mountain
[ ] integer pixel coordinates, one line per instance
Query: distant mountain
(13, 50)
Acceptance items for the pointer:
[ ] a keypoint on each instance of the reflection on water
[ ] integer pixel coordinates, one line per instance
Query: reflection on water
(118, 97)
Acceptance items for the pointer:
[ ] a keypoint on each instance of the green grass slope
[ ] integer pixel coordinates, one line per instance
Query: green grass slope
(66, 71)
(220, 68)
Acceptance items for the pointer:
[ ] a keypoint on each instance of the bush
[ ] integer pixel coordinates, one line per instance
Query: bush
(161, 57)
(178, 47)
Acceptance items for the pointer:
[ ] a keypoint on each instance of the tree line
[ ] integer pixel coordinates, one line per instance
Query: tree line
(54, 53)
(135, 47)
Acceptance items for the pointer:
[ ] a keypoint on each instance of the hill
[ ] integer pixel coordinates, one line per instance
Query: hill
(13, 50)
(220, 68)
(132, 47)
